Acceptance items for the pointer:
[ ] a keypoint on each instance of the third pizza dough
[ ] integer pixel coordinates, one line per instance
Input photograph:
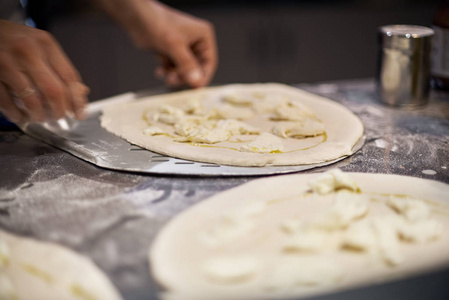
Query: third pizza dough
(32, 269)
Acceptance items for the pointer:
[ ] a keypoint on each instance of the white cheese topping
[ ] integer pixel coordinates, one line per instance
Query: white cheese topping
(305, 128)
(331, 181)
(206, 136)
(269, 102)
(153, 130)
(237, 127)
(227, 111)
(233, 224)
(348, 206)
(265, 143)
(378, 236)
(195, 106)
(421, 231)
(360, 237)
(242, 99)
(167, 114)
(385, 230)
(191, 124)
(201, 130)
(382, 235)
(292, 111)
(228, 228)
(412, 209)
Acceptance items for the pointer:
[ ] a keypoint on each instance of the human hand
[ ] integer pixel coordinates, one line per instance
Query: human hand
(37, 80)
(185, 45)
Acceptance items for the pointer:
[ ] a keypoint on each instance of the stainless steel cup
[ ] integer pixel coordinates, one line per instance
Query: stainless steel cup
(403, 64)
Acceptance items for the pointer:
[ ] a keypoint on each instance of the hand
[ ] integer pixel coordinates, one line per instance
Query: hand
(37, 80)
(185, 45)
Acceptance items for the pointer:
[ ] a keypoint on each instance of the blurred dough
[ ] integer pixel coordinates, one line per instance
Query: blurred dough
(30, 269)
(247, 243)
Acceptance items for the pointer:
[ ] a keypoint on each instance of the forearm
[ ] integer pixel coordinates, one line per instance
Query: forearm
(137, 17)
(185, 44)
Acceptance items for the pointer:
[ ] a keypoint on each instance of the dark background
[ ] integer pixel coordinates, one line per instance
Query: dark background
(259, 40)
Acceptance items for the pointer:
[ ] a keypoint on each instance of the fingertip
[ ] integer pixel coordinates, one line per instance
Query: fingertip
(84, 89)
(159, 73)
(195, 78)
(194, 75)
(172, 79)
(80, 114)
(79, 93)
(79, 111)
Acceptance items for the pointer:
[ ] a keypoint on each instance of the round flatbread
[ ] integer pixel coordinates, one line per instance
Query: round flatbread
(30, 269)
(292, 236)
(274, 110)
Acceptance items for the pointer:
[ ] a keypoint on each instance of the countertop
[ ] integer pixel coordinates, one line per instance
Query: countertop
(112, 217)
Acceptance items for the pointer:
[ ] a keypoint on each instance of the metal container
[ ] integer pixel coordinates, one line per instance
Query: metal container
(403, 64)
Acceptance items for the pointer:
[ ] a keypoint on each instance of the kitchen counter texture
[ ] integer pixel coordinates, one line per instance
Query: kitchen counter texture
(112, 217)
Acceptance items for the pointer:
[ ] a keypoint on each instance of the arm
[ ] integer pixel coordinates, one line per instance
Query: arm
(185, 45)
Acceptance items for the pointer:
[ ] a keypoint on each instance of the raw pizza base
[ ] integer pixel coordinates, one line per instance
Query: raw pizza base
(44, 271)
(343, 129)
(179, 252)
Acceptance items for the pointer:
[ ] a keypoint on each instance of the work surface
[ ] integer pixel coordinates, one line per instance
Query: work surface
(112, 216)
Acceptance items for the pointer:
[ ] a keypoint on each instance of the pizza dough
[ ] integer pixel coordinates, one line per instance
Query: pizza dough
(30, 269)
(292, 236)
(224, 125)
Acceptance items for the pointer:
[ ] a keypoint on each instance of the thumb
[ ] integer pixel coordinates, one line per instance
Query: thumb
(187, 66)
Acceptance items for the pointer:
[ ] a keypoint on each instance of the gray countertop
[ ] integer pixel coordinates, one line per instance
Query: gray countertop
(113, 216)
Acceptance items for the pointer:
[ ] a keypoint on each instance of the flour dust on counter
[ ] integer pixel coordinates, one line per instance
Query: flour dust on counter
(239, 125)
(298, 235)
(30, 269)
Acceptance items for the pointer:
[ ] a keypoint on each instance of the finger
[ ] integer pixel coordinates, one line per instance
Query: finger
(206, 62)
(172, 79)
(51, 88)
(54, 75)
(160, 73)
(76, 98)
(187, 65)
(210, 62)
(166, 67)
(32, 61)
(79, 99)
(166, 62)
(19, 84)
(8, 108)
(207, 54)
